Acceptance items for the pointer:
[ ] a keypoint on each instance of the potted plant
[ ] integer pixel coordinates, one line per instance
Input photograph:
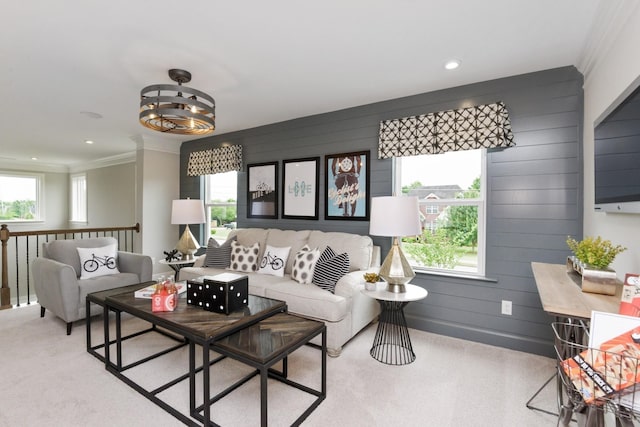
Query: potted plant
(594, 252)
(591, 259)
(371, 281)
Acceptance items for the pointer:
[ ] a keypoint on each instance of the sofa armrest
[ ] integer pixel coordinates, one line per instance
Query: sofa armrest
(57, 288)
(199, 261)
(129, 262)
(349, 284)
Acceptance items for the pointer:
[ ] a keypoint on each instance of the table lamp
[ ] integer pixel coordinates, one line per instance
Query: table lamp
(185, 212)
(395, 216)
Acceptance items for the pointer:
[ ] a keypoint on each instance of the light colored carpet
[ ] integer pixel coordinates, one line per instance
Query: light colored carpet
(48, 378)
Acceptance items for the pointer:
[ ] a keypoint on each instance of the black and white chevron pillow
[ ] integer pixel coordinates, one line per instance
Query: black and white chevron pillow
(329, 268)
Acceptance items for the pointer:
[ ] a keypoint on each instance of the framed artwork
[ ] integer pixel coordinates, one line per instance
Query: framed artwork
(300, 188)
(347, 186)
(262, 190)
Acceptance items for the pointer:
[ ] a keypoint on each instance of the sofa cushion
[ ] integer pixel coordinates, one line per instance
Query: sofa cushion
(218, 255)
(244, 258)
(359, 248)
(102, 283)
(329, 268)
(309, 300)
(96, 262)
(294, 239)
(274, 260)
(303, 264)
(65, 251)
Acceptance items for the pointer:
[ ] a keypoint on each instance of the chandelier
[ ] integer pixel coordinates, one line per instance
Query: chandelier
(177, 109)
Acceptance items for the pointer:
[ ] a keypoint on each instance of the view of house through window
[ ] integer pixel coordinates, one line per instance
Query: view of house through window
(20, 197)
(221, 204)
(450, 191)
(79, 197)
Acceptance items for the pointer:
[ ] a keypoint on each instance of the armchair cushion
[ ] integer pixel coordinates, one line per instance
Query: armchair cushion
(96, 262)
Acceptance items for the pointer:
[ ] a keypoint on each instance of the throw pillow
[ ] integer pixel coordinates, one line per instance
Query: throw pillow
(244, 258)
(217, 255)
(274, 260)
(329, 269)
(304, 263)
(96, 262)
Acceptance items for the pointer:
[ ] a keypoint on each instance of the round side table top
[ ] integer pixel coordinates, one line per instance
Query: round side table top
(177, 262)
(413, 293)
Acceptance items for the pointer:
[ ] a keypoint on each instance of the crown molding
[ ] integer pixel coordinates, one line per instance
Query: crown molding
(611, 17)
(172, 147)
(31, 166)
(118, 159)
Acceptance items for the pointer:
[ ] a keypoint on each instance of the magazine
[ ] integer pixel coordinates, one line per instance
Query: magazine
(606, 369)
(150, 290)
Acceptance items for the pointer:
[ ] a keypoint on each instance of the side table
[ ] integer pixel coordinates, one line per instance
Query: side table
(392, 344)
(177, 265)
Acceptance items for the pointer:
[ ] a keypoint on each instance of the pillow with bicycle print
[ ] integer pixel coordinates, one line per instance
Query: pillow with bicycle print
(96, 262)
(274, 260)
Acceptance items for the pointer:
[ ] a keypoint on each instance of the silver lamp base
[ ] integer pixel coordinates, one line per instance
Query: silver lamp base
(395, 269)
(187, 245)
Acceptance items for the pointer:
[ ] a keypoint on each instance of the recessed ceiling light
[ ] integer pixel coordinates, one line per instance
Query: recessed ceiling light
(34, 158)
(88, 141)
(452, 65)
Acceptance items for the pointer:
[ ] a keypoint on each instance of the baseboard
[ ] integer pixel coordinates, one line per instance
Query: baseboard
(484, 336)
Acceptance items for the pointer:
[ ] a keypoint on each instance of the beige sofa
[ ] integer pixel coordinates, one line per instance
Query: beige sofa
(345, 312)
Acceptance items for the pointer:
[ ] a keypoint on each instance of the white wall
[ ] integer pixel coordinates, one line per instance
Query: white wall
(158, 183)
(111, 196)
(615, 66)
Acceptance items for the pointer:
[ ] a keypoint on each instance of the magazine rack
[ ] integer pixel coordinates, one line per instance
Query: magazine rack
(581, 392)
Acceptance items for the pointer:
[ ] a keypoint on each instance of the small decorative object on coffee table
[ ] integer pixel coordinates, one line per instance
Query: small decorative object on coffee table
(591, 260)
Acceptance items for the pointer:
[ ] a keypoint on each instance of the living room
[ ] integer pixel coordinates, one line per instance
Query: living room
(549, 174)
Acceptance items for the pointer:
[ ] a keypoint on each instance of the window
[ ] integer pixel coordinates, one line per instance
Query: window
(450, 189)
(221, 204)
(79, 198)
(21, 197)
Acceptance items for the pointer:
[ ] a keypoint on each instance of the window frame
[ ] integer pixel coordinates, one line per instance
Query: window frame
(481, 204)
(208, 204)
(74, 201)
(39, 214)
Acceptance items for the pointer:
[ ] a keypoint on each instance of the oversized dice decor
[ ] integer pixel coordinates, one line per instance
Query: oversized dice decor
(195, 292)
(222, 293)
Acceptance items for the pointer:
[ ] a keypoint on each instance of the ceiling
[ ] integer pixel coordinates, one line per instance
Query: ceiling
(65, 63)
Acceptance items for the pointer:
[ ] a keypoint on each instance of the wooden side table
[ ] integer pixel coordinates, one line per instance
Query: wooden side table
(392, 344)
(177, 265)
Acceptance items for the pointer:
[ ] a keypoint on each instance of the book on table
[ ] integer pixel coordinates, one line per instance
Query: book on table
(148, 291)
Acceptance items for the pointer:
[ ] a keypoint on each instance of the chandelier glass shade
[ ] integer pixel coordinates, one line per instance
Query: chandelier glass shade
(177, 109)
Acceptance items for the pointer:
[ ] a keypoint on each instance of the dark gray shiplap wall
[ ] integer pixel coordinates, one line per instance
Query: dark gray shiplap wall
(534, 197)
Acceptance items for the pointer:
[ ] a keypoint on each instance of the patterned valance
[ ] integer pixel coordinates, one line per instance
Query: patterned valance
(482, 126)
(216, 160)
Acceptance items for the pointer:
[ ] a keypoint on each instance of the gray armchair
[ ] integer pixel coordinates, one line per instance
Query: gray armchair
(56, 277)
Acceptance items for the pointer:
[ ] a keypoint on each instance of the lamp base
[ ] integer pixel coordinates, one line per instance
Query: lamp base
(395, 269)
(396, 288)
(187, 245)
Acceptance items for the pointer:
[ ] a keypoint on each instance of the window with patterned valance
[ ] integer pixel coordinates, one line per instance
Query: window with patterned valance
(216, 160)
(482, 126)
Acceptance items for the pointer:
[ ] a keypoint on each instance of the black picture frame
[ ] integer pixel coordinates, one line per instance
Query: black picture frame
(262, 190)
(300, 182)
(347, 186)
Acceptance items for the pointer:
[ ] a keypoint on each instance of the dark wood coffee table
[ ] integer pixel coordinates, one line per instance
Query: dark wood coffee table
(270, 341)
(197, 326)
(98, 298)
